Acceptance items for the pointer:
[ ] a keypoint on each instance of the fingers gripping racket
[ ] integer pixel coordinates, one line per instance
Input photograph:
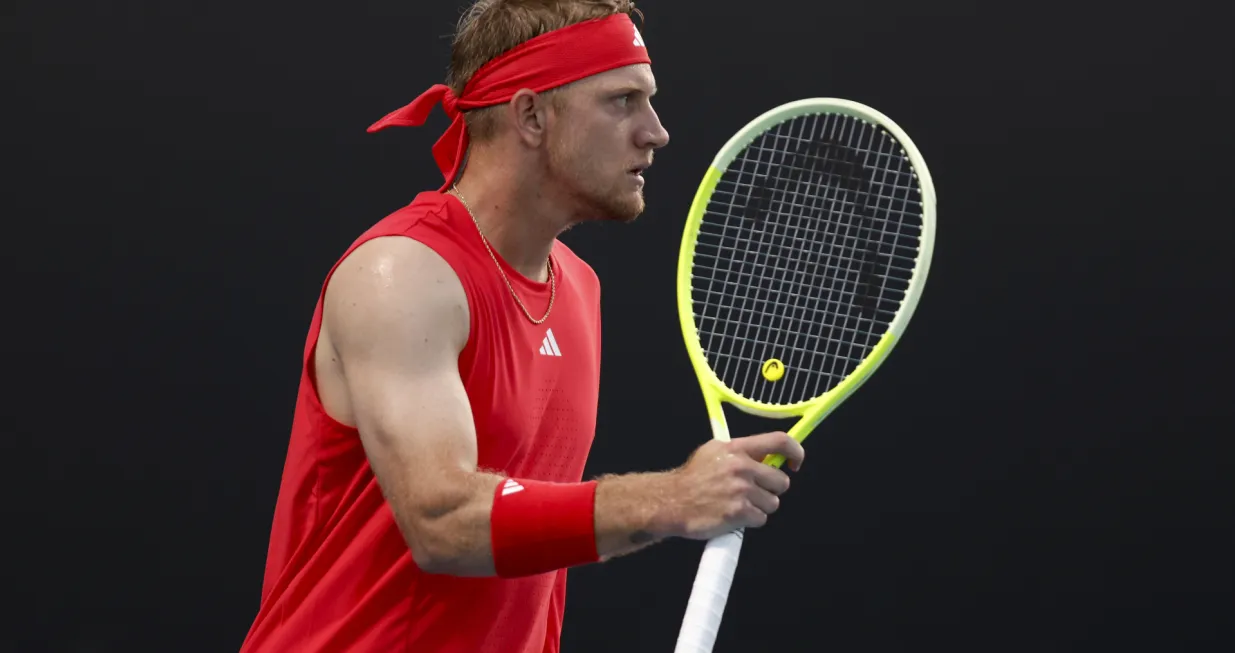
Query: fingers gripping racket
(804, 255)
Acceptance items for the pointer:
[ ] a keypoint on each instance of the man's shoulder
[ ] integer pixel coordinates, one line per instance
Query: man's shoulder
(429, 220)
(417, 237)
(573, 263)
(426, 205)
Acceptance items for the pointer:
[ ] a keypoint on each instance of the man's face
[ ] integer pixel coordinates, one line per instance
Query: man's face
(602, 139)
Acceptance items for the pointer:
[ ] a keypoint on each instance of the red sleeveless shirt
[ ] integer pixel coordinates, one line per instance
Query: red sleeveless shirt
(339, 576)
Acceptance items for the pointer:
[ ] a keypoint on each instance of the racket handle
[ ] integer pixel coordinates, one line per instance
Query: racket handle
(709, 594)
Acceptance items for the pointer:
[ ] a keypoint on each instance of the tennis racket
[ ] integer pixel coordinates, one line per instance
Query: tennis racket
(803, 259)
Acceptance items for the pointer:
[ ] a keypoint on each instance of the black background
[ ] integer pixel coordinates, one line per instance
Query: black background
(1041, 465)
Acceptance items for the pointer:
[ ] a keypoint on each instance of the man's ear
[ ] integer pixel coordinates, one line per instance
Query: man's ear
(529, 116)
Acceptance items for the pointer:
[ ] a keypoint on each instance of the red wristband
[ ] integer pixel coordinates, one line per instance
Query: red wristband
(538, 527)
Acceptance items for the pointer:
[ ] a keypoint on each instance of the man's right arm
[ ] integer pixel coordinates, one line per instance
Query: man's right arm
(396, 317)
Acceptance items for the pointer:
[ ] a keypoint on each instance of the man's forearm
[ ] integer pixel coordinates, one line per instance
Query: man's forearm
(455, 536)
(632, 512)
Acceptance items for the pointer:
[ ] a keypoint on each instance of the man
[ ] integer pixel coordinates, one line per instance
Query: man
(432, 497)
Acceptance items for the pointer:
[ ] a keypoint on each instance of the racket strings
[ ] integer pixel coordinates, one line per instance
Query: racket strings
(836, 336)
(805, 252)
(835, 332)
(824, 269)
(740, 187)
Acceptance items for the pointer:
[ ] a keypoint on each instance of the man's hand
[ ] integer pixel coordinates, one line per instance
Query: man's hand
(725, 486)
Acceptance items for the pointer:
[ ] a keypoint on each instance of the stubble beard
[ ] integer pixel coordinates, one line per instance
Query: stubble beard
(578, 174)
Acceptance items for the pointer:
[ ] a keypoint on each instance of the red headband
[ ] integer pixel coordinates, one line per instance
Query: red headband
(550, 60)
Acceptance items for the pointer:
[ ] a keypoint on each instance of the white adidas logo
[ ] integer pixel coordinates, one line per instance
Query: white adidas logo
(548, 346)
(639, 39)
(511, 486)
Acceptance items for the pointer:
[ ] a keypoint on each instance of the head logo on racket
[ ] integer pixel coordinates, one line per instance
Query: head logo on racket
(773, 369)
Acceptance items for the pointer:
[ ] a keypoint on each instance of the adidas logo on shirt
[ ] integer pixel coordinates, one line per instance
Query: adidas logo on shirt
(511, 486)
(548, 346)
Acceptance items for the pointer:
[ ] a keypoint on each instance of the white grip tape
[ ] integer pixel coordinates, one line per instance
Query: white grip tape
(709, 594)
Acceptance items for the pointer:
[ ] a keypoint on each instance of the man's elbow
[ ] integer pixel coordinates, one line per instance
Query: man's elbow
(430, 558)
(451, 542)
(441, 550)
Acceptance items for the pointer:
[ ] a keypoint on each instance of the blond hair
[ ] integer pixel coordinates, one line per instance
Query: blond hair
(489, 28)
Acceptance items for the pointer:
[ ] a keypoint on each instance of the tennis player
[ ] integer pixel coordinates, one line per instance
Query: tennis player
(432, 496)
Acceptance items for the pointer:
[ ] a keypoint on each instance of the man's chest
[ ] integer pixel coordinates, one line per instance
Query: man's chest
(534, 391)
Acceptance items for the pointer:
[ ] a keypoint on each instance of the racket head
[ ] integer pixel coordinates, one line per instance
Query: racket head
(803, 258)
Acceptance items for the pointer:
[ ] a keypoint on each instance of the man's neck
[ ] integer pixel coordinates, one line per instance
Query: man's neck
(516, 214)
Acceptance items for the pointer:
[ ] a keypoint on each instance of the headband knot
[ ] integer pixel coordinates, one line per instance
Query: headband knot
(450, 148)
(547, 61)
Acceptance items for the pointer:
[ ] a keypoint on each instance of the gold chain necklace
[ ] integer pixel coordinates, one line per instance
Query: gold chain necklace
(549, 263)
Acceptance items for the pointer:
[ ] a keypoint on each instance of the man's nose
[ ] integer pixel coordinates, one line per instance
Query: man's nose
(655, 136)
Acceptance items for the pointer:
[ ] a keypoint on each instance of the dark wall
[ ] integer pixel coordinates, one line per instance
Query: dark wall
(1038, 467)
